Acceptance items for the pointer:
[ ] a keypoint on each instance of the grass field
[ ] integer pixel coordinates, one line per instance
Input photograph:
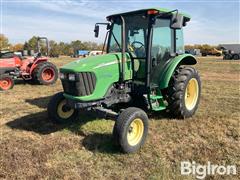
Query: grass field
(32, 147)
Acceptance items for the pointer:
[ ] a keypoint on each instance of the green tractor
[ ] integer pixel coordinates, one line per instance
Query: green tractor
(144, 70)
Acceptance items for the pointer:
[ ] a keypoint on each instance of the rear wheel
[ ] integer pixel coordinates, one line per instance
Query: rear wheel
(235, 56)
(45, 73)
(183, 93)
(59, 112)
(227, 57)
(130, 129)
(6, 82)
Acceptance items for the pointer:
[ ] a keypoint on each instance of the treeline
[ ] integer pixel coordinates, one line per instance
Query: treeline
(68, 49)
(55, 48)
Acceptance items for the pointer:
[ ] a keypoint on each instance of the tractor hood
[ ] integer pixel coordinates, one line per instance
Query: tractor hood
(105, 68)
(91, 63)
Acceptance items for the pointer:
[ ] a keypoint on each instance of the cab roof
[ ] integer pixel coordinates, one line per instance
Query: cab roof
(159, 10)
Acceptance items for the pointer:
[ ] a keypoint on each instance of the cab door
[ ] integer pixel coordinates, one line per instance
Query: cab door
(162, 47)
(136, 46)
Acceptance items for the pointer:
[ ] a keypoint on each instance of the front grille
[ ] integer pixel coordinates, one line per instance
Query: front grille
(84, 85)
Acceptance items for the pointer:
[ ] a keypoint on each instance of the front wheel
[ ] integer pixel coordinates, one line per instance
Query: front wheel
(6, 82)
(59, 112)
(183, 93)
(227, 57)
(130, 129)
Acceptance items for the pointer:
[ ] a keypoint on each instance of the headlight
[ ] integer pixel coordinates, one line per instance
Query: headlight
(61, 75)
(71, 77)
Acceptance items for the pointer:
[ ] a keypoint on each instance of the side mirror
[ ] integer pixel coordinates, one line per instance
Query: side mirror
(177, 21)
(96, 30)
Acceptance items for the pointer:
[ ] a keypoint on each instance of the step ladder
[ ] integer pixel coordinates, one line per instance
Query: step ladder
(157, 103)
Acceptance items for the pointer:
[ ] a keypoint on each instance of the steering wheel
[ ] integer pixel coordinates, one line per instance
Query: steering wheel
(136, 47)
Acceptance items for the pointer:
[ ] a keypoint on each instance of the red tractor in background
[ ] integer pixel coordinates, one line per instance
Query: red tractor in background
(37, 68)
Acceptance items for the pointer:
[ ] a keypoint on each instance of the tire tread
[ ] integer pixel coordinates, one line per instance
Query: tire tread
(175, 92)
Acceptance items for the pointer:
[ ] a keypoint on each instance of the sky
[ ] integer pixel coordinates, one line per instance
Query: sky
(213, 21)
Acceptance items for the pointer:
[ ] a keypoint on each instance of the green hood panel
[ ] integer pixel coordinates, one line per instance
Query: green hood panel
(92, 62)
(106, 69)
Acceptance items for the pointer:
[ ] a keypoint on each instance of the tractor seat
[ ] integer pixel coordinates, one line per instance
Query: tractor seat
(136, 64)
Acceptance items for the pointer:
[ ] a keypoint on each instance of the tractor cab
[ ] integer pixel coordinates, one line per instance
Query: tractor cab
(149, 38)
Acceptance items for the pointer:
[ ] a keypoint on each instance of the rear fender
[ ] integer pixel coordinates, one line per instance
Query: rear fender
(167, 71)
(35, 63)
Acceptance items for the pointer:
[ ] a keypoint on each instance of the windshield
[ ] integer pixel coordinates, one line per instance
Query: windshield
(136, 32)
(115, 43)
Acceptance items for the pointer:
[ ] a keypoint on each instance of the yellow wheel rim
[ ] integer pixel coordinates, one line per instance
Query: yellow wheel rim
(191, 94)
(135, 132)
(63, 112)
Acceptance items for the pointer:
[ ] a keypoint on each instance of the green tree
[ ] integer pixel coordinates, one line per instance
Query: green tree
(65, 49)
(92, 46)
(25, 46)
(4, 43)
(54, 49)
(32, 43)
(17, 47)
(77, 45)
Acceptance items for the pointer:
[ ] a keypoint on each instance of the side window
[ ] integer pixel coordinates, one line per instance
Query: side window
(115, 38)
(179, 41)
(162, 42)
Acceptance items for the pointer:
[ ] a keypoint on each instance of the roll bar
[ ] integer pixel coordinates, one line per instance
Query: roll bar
(38, 44)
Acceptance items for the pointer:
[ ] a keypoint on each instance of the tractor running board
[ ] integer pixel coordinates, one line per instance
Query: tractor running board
(160, 108)
(157, 103)
(153, 97)
(26, 76)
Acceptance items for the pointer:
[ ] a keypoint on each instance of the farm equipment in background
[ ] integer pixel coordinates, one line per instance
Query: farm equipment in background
(78, 53)
(139, 70)
(230, 51)
(35, 68)
(211, 52)
(95, 53)
(194, 52)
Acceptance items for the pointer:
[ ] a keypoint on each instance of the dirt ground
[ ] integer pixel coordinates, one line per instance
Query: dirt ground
(32, 147)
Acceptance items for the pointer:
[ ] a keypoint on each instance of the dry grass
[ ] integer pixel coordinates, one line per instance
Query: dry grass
(32, 147)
